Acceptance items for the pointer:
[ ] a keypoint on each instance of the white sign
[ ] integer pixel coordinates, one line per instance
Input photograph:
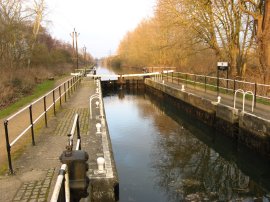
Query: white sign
(222, 64)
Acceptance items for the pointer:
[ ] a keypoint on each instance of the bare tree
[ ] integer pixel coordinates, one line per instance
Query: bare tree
(16, 42)
(220, 24)
(259, 10)
(38, 11)
(11, 32)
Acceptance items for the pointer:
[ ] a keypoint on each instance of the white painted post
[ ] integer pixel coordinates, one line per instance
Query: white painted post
(97, 104)
(183, 88)
(218, 99)
(98, 126)
(101, 163)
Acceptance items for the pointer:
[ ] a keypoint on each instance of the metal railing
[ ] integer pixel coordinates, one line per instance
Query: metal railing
(75, 127)
(61, 190)
(36, 110)
(219, 85)
(244, 96)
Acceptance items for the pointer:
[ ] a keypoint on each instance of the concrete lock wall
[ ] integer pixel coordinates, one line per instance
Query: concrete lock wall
(254, 132)
(248, 129)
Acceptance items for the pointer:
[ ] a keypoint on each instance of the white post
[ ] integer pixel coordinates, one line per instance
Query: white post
(183, 88)
(101, 163)
(97, 104)
(98, 126)
(218, 99)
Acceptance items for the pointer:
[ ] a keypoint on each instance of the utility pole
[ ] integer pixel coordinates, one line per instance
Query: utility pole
(73, 52)
(77, 54)
(74, 35)
(84, 55)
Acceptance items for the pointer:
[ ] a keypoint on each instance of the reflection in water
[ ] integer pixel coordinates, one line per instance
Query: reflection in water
(199, 170)
(162, 155)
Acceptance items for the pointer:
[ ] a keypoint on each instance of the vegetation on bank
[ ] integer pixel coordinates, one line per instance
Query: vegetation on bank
(38, 91)
(194, 35)
(29, 54)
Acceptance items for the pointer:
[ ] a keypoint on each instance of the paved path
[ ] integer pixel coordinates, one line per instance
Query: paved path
(37, 167)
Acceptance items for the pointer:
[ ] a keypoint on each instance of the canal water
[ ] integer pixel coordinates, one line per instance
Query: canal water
(162, 154)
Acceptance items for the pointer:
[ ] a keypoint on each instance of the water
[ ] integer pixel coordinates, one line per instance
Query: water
(162, 154)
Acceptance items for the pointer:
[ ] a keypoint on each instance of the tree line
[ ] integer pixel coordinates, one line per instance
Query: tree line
(194, 35)
(28, 53)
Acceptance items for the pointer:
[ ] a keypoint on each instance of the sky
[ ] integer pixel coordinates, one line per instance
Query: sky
(102, 24)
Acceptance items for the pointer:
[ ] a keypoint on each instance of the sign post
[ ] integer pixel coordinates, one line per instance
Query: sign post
(222, 66)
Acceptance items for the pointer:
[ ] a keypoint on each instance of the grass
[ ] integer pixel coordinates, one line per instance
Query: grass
(39, 90)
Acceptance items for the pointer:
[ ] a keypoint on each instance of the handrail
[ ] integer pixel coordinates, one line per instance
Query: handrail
(63, 175)
(75, 126)
(221, 78)
(90, 103)
(244, 98)
(250, 93)
(68, 86)
(259, 90)
(234, 100)
(122, 75)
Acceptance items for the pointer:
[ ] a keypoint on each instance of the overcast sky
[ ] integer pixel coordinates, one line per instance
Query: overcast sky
(101, 23)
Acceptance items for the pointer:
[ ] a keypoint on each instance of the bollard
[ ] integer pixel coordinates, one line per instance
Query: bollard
(183, 88)
(77, 171)
(101, 164)
(218, 99)
(97, 103)
(98, 126)
(163, 81)
(97, 90)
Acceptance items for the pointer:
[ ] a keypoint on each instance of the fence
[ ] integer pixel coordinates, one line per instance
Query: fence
(35, 111)
(61, 190)
(220, 85)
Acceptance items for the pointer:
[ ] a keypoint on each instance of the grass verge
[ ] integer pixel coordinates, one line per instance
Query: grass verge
(39, 90)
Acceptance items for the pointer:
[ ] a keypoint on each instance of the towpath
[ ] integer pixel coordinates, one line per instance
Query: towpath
(37, 166)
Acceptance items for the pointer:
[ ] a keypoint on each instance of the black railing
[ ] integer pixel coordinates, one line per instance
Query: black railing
(223, 85)
(48, 101)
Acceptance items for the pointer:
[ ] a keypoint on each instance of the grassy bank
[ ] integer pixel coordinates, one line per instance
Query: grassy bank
(39, 90)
